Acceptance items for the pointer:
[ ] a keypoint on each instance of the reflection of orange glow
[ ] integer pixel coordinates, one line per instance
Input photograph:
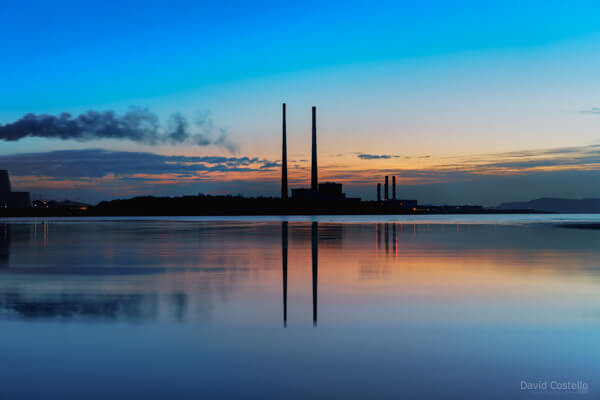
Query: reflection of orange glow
(488, 273)
(424, 265)
(395, 242)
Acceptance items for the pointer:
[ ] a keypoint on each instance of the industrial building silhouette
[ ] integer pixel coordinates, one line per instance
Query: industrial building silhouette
(10, 199)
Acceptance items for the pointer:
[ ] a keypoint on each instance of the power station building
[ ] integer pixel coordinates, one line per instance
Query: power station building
(10, 199)
(326, 191)
(330, 191)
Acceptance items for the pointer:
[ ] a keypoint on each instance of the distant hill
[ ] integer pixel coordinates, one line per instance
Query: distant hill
(552, 204)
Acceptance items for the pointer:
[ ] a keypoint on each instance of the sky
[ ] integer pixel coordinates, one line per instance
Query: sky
(470, 102)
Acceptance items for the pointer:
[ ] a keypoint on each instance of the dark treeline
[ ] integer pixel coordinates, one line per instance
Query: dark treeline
(238, 205)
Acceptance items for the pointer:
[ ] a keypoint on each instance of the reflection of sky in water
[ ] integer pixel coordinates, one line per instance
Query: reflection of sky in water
(165, 308)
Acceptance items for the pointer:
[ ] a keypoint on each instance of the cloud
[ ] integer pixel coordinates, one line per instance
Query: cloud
(363, 156)
(545, 152)
(519, 162)
(96, 174)
(593, 110)
(270, 165)
(224, 142)
(96, 163)
(139, 125)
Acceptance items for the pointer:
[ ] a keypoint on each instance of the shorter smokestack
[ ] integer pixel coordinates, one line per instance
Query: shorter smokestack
(386, 190)
(379, 192)
(394, 187)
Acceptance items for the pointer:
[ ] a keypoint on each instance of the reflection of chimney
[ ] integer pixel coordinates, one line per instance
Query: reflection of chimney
(379, 192)
(394, 240)
(386, 230)
(5, 244)
(314, 185)
(386, 190)
(284, 183)
(284, 265)
(315, 266)
(394, 187)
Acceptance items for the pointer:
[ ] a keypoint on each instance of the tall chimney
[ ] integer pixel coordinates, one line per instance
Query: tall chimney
(386, 193)
(314, 181)
(284, 182)
(379, 192)
(394, 187)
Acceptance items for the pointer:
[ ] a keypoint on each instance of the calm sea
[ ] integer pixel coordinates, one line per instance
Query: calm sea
(365, 307)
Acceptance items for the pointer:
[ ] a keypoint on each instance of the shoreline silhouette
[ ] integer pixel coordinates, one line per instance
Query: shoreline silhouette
(204, 205)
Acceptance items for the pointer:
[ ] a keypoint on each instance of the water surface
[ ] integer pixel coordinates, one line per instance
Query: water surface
(258, 307)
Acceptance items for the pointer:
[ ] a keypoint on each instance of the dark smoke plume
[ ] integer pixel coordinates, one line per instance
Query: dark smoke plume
(138, 125)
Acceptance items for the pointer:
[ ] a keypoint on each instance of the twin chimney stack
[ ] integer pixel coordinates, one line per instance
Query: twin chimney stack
(314, 179)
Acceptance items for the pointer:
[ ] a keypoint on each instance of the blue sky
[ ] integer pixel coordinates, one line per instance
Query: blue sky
(78, 54)
(460, 80)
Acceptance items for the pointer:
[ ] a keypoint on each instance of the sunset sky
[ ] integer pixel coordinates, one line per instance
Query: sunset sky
(471, 102)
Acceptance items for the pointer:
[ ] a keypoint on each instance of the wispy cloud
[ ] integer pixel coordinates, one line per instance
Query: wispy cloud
(593, 110)
(519, 162)
(134, 173)
(363, 156)
(95, 163)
